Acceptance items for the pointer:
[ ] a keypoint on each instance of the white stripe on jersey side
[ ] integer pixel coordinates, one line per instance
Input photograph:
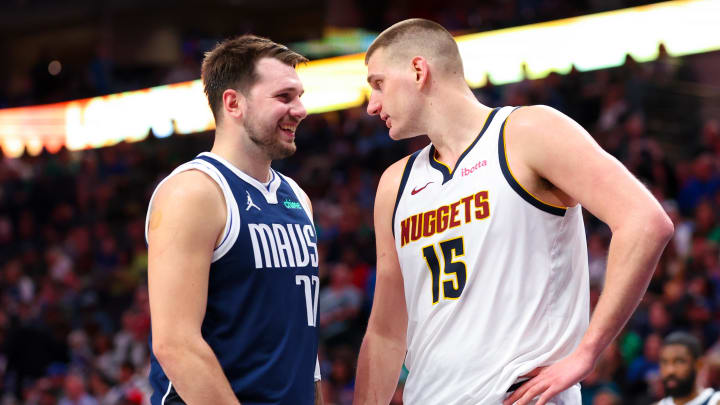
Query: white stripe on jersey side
(162, 402)
(317, 369)
(299, 195)
(232, 222)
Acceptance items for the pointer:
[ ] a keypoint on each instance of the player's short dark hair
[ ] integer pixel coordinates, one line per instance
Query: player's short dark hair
(231, 65)
(684, 339)
(415, 34)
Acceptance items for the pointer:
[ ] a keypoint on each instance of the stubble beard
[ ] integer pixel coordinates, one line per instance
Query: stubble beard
(269, 142)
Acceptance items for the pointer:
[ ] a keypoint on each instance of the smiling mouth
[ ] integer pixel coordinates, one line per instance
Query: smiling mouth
(288, 128)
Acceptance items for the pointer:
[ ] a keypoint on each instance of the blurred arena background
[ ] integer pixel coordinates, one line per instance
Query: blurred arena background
(74, 317)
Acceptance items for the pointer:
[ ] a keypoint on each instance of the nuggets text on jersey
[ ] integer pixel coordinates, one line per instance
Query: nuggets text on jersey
(428, 223)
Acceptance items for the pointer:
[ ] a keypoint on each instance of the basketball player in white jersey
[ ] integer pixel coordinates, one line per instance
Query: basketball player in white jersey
(482, 277)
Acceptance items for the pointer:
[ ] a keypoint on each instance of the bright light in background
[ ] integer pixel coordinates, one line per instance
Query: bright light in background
(590, 42)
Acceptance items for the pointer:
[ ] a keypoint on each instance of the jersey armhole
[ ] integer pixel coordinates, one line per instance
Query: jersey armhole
(232, 221)
(514, 183)
(403, 183)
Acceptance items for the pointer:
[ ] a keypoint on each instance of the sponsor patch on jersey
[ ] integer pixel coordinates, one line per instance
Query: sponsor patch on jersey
(470, 170)
(293, 205)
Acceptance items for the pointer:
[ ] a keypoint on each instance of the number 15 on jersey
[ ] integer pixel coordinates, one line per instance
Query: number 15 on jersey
(453, 285)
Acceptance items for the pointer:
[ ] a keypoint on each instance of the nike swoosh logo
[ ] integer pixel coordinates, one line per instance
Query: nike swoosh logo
(415, 191)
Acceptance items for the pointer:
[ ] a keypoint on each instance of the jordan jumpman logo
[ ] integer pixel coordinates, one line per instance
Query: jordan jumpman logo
(250, 203)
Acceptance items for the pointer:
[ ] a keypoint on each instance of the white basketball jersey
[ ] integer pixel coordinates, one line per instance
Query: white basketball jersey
(707, 397)
(496, 281)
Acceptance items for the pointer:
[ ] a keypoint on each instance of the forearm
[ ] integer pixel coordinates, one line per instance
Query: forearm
(318, 394)
(633, 255)
(196, 373)
(379, 365)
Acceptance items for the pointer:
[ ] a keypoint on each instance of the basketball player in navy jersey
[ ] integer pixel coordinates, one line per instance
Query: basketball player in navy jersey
(482, 285)
(232, 271)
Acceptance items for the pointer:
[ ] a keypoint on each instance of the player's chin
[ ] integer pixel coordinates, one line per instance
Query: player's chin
(397, 134)
(288, 149)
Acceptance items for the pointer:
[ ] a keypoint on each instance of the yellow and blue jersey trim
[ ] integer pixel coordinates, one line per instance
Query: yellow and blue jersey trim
(442, 167)
(519, 189)
(403, 183)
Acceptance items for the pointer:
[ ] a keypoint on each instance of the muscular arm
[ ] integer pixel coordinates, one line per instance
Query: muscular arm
(187, 216)
(553, 147)
(383, 348)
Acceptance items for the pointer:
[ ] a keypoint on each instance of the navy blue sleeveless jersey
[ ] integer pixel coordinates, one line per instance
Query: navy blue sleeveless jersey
(263, 291)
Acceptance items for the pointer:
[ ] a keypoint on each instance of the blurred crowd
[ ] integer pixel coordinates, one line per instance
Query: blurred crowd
(62, 73)
(74, 316)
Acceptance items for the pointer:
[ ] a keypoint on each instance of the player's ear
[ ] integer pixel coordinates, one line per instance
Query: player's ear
(234, 103)
(421, 71)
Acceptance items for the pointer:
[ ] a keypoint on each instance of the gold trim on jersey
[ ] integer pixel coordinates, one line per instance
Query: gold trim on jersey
(484, 126)
(507, 162)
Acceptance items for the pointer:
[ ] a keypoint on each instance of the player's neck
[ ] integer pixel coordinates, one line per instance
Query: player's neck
(454, 124)
(684, 400)
(241, 155)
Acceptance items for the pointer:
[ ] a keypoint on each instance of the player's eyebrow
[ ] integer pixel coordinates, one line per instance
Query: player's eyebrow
(291, 89)
(372, 77)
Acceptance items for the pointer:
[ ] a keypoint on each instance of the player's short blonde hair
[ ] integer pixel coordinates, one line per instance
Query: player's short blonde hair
(419, 37)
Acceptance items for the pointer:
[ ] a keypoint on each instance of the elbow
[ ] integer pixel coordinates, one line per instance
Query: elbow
(162, 349)
(167, 351)
(659, 227)
(664, 227)
(652, 226)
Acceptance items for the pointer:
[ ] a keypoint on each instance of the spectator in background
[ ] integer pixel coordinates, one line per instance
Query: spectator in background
(603, 378)
(340, 304)
(607, 397)
(102, 387)
(644, 369)
(75, 392)
(704, 182)
(678, 368)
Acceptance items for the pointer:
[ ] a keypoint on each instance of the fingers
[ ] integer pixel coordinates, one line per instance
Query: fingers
(525, 386)
(532, 389)
(533, 373)
(520, 392)
(546, 396)
(531, 393)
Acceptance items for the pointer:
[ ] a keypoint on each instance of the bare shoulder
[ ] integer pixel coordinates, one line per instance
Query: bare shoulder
(390, 180)
(190, 197)
(385, 198)
(542, 137)
(539, 119)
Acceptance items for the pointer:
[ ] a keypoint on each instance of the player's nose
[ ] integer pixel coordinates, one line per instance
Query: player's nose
(374, 105)
(298, 110)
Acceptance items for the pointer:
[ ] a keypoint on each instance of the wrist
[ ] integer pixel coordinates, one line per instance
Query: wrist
(589, 350)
